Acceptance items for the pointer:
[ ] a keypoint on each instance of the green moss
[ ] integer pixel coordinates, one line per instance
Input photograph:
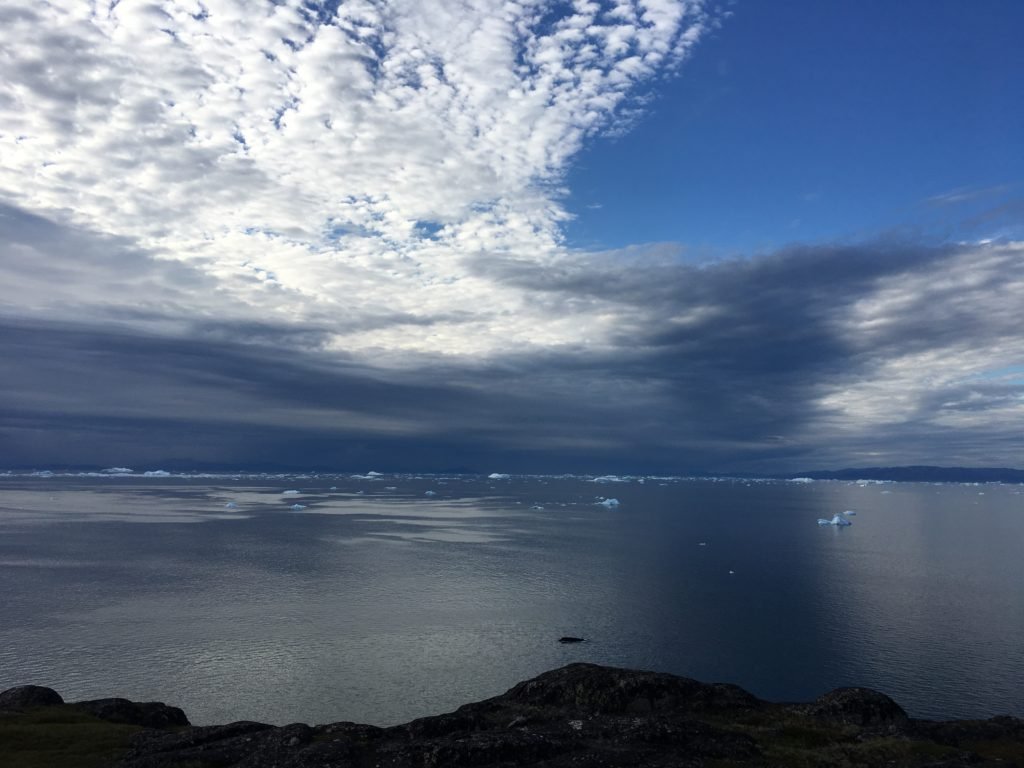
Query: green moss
(58, 737)
(1011, 751)
(882, 751)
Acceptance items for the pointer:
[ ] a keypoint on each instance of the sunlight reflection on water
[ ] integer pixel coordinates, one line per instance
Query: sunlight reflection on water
(377, 603)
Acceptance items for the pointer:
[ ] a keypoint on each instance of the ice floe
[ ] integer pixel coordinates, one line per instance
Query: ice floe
(297, 507)
(291, 492)
(231, 505)
(497, 476)
(156, 473)
(430, 493)
(837, 520)
(609, 503)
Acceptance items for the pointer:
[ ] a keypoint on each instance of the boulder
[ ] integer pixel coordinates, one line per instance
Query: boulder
(26, 696)
(861, 707)
(150, 714)
(596, 689)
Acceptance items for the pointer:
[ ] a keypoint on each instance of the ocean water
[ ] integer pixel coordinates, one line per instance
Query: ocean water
(391, 597)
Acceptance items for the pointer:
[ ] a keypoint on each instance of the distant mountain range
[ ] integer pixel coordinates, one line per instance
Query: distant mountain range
(919, 474)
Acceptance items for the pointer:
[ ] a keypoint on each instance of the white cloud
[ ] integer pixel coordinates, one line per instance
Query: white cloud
(942, 346)
(322, 165)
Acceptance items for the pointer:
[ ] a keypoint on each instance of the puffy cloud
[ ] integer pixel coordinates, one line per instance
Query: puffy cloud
(347, 156)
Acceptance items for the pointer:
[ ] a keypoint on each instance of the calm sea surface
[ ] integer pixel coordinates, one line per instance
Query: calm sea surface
(390, 597)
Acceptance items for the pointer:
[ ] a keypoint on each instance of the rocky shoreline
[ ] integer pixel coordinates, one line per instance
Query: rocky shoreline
(580, 715)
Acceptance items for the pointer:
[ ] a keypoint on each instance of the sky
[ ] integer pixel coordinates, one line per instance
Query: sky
(665, 236)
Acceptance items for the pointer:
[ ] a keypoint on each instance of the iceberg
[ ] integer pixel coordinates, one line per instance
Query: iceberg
(609, 503)
(297, 507)
(289, 493)
(497, 476)
(156, 473)
(849, 512)
(117, 471)
(837, 520)
(231, 505)
(430, 493)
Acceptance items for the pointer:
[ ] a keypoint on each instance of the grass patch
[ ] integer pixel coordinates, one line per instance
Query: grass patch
(58, 737)
(1011, 751)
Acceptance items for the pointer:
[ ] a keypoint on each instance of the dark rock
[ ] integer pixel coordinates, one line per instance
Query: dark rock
(588, 716)
(570, 639)
(592, 688)
(27, 696)
(217, 744)
(957, 733)
(861, 707)
(150, 714)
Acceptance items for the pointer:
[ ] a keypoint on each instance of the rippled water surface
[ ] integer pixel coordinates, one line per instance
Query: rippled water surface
(389, 597)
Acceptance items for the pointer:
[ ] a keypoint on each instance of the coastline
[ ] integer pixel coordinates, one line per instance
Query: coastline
(576, 715)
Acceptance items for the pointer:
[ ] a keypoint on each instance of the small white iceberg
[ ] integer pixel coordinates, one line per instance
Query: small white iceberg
(497, 476)
(430, 493)
(297, 507)
(156, 473)
(290, 493)
(231, 505)
(837, 520)
(849, 512)
(609, 503)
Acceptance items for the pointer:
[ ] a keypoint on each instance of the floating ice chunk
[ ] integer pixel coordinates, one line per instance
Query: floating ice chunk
(231, 505)
(732, 571)
(430, 493)
(849, 512)
(801, 479)
(609, 503)
(497, 476)
(334, 487)
(608, 479)
(536, 506)
(837, 520)
(156, 473)
(117, 471)
(297, 507)
(371, 473)
(290, 493)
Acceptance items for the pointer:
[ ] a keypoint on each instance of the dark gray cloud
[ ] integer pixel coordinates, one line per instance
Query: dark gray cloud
(876, 353)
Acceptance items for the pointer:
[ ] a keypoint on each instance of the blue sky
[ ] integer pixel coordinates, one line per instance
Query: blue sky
(810, 121)
(511, 235)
